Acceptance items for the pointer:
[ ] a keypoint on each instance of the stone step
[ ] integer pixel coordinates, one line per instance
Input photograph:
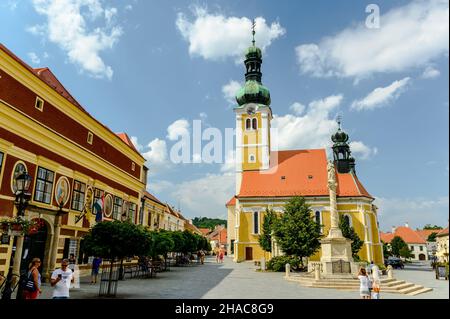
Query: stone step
(420, 291)
(404, 286)
(393, 283)
(411, 289)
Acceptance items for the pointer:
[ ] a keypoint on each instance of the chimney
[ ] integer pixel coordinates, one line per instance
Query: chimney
(406, 224)
(393, 229)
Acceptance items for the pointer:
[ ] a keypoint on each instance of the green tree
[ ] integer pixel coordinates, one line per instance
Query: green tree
(210, 223)
(405, 252)
(296, 231)
(265, 239)
(432, 237)
(350, 233)
(386, 250)
(397, 243)
(115, 241)
(429, 226)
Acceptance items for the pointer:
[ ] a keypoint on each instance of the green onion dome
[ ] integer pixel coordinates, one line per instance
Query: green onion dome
(253, 92)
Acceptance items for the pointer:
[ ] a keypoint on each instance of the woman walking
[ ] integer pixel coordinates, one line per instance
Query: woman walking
(33, 275)
(376, 282)
(364, 284)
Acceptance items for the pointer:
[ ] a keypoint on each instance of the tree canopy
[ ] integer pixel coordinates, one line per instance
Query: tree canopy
(296, 231)
(265, 239)
(429, 226)
(397, 243)
(210, 223)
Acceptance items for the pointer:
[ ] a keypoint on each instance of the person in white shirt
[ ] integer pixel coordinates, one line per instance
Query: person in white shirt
(364, 284)
(61, 279)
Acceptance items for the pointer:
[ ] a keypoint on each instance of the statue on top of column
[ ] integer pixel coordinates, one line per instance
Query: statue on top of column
(331, 176)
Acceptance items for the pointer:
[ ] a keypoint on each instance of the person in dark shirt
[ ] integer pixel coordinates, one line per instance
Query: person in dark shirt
(95, 268)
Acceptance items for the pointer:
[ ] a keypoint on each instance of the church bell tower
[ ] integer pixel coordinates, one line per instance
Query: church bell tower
(253, 117)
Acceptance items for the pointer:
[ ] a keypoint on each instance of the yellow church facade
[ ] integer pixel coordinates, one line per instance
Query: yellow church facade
(267, 179)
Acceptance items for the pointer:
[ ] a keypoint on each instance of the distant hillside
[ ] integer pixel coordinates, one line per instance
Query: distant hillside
(205, 222)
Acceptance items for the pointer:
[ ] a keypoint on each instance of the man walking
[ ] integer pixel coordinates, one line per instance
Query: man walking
(61, 279)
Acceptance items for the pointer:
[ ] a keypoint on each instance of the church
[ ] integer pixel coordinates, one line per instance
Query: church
(268, 179)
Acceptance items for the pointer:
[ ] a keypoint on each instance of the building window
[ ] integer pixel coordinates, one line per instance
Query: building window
(255, 223)
(117, 208)
(132, 212)
(348, 220)
(421, 248)
(412, 248)
(254, 124)
(39, 104)
(79, 190)
(98, 194)
(90, 138)
(317, 216)
(19, 168)
(44, 186)
(251, 158)
(248, 124)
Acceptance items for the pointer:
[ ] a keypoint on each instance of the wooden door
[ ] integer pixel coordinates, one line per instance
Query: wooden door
(248, 253)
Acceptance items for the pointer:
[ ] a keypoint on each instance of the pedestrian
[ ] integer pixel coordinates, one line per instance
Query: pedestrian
(32, 288)
(369, 268)
(376, 282)
(216, 252)
(61, 279)
(96, 266)
(221, 253)
(72, 262)
(202, 257)
(364, 284)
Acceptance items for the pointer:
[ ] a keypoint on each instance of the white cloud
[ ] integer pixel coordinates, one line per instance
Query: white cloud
(312, 130)
(297, 108)
(362, 151)
(381, 96)
(230, 162)
(34, 58)
(128, 7)
(136, 144)
(206, 196)
(409, 36)
(416, 211)
(157, 154)
(216, 37)
(67, 26)
(430, 73)
(229, 91)
(177, 129)
(158, 186)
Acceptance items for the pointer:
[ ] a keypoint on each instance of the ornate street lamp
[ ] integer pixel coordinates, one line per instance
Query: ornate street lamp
(23, 182)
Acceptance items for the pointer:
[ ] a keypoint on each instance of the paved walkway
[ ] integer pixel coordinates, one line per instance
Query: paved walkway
(241, 281)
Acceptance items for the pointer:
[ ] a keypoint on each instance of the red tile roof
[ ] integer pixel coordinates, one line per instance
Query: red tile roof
(124, 137)
(47, 76)
(205, 231)
(231, 202)
(443, 232)
(424, 233)
(301, 173)
(153, 198)
(409, 235)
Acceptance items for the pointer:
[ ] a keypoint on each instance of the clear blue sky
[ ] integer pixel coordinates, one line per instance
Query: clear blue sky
(151, 67)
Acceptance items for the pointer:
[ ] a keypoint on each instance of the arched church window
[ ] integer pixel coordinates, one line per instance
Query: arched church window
(248, 124)
(255, 124)
(317, 217)
(348, 220)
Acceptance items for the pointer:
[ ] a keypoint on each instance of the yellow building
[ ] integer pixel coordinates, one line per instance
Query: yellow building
(268, 179)
(73, 160)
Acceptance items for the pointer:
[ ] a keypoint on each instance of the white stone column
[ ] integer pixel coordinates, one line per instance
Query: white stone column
(18, 255)
(335, 231)
(54, 248)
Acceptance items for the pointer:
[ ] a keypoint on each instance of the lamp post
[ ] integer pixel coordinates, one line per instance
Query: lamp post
(23, 182)
(59, 214)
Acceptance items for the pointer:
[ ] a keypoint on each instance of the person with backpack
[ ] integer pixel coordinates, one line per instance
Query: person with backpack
(32, 286)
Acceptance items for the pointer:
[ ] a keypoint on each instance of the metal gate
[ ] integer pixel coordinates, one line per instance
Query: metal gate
(341, 267)
(109, 279)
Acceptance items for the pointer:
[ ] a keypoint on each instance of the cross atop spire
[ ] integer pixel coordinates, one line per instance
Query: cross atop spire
(253, 31)
(339, 120)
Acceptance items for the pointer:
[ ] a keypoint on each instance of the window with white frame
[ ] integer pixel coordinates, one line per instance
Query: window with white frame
(39, 104)
(117, 208)
(255, 223)
(79, 190)
(318, 219)
(44, 185)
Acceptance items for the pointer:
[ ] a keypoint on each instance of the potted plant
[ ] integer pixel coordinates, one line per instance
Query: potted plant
(16, 226)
